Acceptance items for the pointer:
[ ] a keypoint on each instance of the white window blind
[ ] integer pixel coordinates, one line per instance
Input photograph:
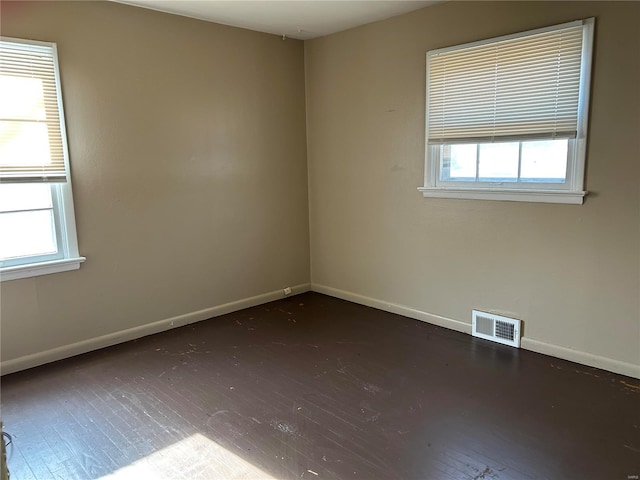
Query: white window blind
(32, 143)
(513, 88)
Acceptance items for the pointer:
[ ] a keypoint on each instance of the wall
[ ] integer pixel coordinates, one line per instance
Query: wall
(570, 272)
(188, 160)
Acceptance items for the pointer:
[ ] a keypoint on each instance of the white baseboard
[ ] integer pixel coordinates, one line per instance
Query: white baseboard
(394, 308)
(605, 363)
(84, 346)
(577, 356)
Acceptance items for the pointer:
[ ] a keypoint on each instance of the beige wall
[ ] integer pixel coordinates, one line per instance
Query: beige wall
(570, 272)
(188, 158)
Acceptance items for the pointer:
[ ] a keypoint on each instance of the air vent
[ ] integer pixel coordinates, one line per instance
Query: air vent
(496, 328)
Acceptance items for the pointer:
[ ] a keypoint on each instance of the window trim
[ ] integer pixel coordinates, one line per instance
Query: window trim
(512, 195)
(42, 268)
(62, 199)
(570, 192)
(64, 215)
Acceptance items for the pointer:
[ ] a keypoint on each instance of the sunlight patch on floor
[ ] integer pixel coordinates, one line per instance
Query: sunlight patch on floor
(195, 457)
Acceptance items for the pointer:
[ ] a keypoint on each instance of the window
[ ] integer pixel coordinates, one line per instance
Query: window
(37, 224)
(507, 117)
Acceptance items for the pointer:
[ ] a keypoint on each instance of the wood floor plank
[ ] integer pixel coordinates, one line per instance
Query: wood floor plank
(20, 468)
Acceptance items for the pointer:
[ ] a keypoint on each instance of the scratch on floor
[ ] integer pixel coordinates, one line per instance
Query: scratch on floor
(213, 415)
(483, 474)
(373, 418)
(218, 413)
(370, 387)
(630, 386)
(284, 428)
(324, 459)
(192, 350)
(133, 398)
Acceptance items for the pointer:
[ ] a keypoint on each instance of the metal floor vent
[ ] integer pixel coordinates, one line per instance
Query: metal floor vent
(496, 328)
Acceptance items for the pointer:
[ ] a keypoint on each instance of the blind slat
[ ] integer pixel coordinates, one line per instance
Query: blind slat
(32, 148)
(523, 87)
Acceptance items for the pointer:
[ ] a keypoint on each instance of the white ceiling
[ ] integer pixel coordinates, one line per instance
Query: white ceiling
(301, 19)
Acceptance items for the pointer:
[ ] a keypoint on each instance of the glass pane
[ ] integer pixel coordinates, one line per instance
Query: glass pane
(21, 98)
(24, 143)
(27, 234)
(459, 162)
(544, 161)
(499, 162)
(24, 196)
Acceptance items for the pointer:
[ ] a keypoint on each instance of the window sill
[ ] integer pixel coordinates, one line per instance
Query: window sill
(42, 268)
(536, 196)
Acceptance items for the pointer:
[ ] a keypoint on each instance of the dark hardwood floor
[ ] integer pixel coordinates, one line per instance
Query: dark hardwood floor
(314, 387)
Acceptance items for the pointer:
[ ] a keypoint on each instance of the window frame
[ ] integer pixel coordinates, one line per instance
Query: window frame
(67, 257)
(570, 192)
